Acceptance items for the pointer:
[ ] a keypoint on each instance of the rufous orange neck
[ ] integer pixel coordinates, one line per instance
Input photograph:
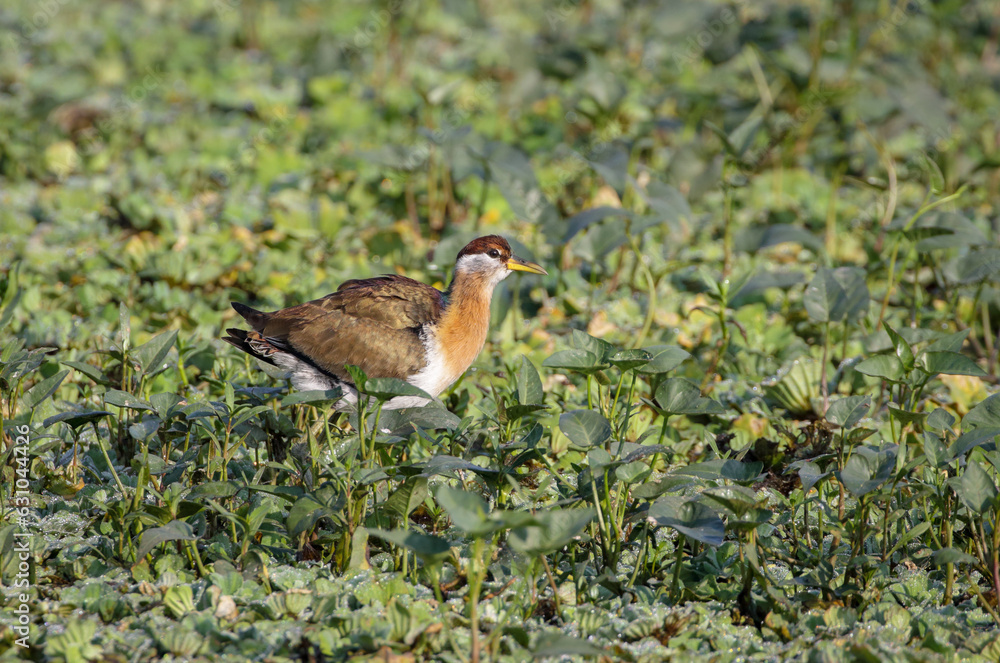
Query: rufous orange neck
(465, 324)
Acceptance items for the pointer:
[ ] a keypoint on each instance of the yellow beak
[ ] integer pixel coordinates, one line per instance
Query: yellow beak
(519, 265)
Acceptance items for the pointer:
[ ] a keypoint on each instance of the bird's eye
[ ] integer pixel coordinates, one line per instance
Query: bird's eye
(493, 253)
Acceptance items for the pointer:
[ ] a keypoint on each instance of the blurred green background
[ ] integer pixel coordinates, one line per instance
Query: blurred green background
(769, 186)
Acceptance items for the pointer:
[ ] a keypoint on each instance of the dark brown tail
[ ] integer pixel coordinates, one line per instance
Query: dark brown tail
(238, 337)
(256, 319)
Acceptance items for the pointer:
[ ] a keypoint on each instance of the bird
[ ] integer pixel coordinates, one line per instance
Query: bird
(390, 326)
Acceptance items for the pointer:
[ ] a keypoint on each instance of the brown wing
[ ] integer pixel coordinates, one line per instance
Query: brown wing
(371, 323)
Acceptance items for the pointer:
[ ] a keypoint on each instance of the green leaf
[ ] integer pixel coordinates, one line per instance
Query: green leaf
(977, 265)
(952, 556)
(903, 349)
(835, 295)
(529, 384)
(312, 397)
(588, 217)
(986, 414)
(846, 412)
(940, 420)
(974, 438)
(43, 390)
(866, 470)
(145, 429)
(175, 530)
(428, 547)
(949, 342)
(585, 428)
(554, 529)
(737, 499)
(664, 358)
(679, 396)
(406, 498)
(76, 418)
(810, 474)
(581, 361)
(691, 518)
(977, 489)
(949, 363)
(597, 347)
(384, 389)
(909, 535)
(935, 451)
(125, 400)
(91, 372)
(468, 511)
(150, 355)
(555, 644)
(729, 469)
(626, 360)
(887, 367)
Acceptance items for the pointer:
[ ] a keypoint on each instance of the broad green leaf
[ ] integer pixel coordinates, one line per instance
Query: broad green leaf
(76, 418)
(468, 511)
(835, 295)
(935, 451)
(407, 497)
(977, 265)
(977, 489)
(949, 342)
(887, 367)
(150, 355)
(949, 363)
(974, 438)
(985, 414)
(940, 420)
(406, 420)
(691, 518)
(585, 428)
(552, 644)
(529, 384)
(145, 429)
(125, 400)
(43, 390)
(664, 358)
(554, 530)
(425, 546)
(588, 217)
(909, 535)
(678, 396)
(810, 474)
(384, 389)
(737, 499)
(599, 348)
(729, 469)
(848, 411)
(175, 530)
(311, 397)
(903, 349)
(92, 372)
(952, 556)
(575, 360)
(626, 360)
(866, 470)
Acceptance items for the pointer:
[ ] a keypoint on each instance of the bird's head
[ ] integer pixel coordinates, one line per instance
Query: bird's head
(490, 259)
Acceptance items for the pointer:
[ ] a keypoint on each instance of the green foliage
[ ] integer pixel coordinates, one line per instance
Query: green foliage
(751, 413)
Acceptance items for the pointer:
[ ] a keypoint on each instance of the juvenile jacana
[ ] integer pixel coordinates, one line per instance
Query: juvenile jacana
(389, 326)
